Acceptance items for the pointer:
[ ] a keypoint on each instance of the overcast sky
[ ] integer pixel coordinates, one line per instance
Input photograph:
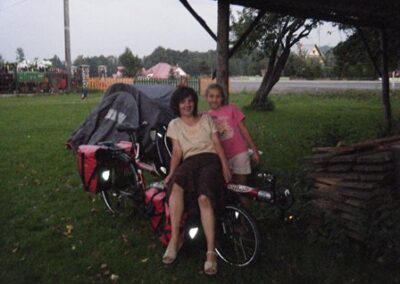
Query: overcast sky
(108, 26)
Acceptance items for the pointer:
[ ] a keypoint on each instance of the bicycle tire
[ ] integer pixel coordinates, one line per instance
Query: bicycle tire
(121, 193)
(238, 238)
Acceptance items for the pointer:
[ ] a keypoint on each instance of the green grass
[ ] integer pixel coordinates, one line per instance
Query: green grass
(53, 232)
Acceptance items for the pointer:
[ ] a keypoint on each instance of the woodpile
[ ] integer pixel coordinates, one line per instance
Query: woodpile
(349, 181)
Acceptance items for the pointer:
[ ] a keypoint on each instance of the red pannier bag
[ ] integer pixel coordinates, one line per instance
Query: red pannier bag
(158, 210)
(155, 202)
(87, 165)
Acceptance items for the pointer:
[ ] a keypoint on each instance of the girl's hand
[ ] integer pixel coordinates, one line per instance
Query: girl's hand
(255, 157)
(226, 172)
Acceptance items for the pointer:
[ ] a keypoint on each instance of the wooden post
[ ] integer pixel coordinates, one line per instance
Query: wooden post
(223, 46)
(385, 82)
(396, 155)
(67, 44)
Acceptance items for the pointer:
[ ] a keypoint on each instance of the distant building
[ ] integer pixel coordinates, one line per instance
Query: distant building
(310, 51)
(316, 53)
(164, 71)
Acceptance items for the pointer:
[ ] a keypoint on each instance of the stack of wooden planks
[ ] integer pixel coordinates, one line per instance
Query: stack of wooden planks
(348, 181)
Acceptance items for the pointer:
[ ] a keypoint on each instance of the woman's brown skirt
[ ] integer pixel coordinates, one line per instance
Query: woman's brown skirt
(200, 175)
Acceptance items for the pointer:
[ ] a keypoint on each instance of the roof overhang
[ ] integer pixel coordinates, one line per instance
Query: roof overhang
(360, 13)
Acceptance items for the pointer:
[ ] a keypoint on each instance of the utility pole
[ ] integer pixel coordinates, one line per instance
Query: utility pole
(67, 44)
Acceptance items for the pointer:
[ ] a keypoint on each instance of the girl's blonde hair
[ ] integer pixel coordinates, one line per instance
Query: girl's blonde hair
(216, 86)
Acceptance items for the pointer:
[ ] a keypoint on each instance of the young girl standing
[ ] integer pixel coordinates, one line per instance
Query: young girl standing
(233, 133)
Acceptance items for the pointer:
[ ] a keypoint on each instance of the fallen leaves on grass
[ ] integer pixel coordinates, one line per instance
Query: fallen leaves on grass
(16, 248)
(125, 238)
(114, 278)
(104, 269)
(94, 210)
(106, 273)
(68, 232)
(152, 246)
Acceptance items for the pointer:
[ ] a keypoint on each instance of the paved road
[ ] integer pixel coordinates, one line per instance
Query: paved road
(305, 85)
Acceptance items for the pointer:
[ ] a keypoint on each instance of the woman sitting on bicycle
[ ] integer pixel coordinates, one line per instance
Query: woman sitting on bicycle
(197, 172)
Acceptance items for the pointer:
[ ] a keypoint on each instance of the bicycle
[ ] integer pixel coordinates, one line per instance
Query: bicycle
(120, 171)
(238, 239)
(123, 188)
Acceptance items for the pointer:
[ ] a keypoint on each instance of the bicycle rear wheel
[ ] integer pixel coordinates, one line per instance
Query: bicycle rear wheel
(120, 190)
(238, 238)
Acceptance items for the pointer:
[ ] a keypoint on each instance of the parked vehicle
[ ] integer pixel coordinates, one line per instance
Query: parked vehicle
(7, 80)
(33, 81)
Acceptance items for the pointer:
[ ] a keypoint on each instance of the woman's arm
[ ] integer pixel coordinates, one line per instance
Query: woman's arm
(246, 134)
(221, 154)
(175, 159)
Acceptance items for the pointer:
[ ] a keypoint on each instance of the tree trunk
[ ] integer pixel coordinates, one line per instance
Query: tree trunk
(271, 77)
(385, 83)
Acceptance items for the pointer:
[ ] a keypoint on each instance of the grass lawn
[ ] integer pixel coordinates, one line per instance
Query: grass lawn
(53, 232)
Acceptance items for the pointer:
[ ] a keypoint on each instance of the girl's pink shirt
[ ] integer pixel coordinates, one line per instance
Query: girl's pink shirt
(227, 119)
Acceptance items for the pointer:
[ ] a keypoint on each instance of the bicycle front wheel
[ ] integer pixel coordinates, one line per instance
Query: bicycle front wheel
(120, 189)
(238, 238)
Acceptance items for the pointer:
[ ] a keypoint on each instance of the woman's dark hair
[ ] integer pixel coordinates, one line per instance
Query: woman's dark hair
(179, 95)
(218, 87)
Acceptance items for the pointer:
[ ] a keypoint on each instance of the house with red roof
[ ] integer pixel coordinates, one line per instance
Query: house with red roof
(164, 71)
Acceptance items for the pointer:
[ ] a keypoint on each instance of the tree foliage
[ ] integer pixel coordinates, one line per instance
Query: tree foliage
(56, 62)
(193, 63)
(301, 66)
(204, 63)
(110, 61)
(274, 36)
(352, 59)
(20, 54)
(131, 62)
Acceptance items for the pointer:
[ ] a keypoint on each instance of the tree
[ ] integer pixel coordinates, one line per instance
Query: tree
(352, 59)
(20, 54)
(56, 62)
(193, 63)
(274, 36)
(300, 66)
(204, 68)
(131, 62)
(110, 61)
(1, 60)
(112, 64)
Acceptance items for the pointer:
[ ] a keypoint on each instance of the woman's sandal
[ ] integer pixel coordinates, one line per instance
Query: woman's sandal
(210, 267)
(169, 256)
